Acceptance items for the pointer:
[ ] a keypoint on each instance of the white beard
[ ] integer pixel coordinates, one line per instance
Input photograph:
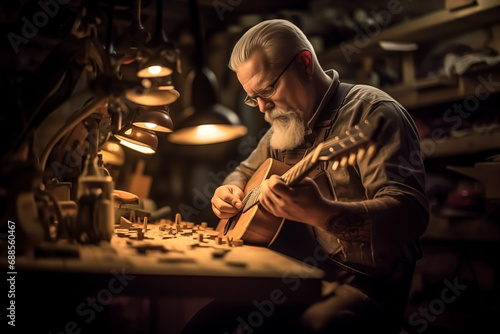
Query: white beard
(288, 129)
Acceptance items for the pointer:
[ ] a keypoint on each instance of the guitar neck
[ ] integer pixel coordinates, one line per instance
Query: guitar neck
(297, 172)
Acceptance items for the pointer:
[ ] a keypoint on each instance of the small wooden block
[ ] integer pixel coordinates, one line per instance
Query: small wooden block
(219, 253)
(125, 223)
(239, 264)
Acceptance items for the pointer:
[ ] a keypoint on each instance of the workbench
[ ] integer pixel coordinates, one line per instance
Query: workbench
(63, 283)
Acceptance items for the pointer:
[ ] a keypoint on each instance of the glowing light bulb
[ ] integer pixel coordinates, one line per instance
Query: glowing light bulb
(154, 69)
(206, 130)
(150, 125)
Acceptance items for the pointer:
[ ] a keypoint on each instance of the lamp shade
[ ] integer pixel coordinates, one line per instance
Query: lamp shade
(206, 121)
(162, 83)
(154, 118)
(138, 139)
(156, 66)
(155, 94)
(214, 125)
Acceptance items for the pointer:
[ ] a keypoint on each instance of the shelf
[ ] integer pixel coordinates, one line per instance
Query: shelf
(429, 27)
(425, 83)
(469, 144)
(437, 90)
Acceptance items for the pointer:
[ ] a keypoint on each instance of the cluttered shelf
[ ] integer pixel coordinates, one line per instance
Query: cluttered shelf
(398, 58)
(432, 26)
(475, 84)
(470, 141)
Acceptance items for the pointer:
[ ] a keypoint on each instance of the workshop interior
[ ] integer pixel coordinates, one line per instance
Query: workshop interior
(124, 113)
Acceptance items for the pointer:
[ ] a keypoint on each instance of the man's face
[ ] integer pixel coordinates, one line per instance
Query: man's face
(287, 122)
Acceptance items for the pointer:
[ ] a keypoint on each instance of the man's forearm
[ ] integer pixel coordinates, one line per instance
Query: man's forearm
(351, 222)
(401, 218)
(237, 179)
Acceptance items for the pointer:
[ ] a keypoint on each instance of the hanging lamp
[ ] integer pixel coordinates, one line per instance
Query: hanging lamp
(159, 57)
(206, 121)
(138, 139)
(156, 118)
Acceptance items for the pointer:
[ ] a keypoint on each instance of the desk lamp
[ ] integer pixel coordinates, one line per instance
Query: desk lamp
(206, 121)
(155, 118)
(152, 96)
(138, 139)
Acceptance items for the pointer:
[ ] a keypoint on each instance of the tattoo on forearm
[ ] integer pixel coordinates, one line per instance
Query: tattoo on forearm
(350, 226)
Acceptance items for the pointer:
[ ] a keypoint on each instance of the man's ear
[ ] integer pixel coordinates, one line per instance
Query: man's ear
(306, 60)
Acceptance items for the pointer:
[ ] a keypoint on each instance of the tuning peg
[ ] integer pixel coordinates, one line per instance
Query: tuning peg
(371, 150)
(343, 162)
(352, 159)
(335, 165)
(361, 153)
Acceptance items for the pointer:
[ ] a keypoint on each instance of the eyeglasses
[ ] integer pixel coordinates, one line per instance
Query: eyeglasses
(268, 91)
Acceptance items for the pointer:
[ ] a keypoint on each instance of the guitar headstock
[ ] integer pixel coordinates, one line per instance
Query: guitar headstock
(356, 143)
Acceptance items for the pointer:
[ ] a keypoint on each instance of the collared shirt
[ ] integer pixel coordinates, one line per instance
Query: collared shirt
(396, 171)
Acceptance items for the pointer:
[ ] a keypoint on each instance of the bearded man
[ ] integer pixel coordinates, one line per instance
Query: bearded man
(367, 215)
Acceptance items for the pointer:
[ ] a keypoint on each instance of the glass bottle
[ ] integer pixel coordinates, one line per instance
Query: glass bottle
(95, 200)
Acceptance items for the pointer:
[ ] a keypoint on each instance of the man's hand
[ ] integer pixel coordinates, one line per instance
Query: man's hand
(302, 202)
(226, 201)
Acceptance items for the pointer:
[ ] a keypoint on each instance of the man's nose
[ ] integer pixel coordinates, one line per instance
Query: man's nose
(264, 104)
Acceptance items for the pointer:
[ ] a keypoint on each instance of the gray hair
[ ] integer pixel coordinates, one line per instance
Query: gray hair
(276, 38)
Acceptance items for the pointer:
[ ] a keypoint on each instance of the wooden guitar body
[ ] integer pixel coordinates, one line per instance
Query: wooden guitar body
(256, 226)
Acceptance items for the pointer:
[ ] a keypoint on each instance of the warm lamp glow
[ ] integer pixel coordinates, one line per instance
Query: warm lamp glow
(155, 118)
(113, 153)
(138, 139)
(207, 134)
(153, 96)
(154, 70)
(206, 121)
(159, 57)
(137, 147)
(151, 69)
(206, 130)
